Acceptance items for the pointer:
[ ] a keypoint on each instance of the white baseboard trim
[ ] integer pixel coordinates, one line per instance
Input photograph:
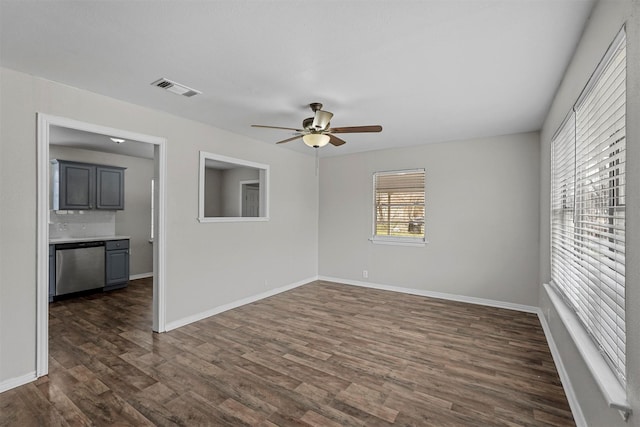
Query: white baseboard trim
(569, 391)
(439, 295)
(140, 276)
(18, 381)
(235, 304)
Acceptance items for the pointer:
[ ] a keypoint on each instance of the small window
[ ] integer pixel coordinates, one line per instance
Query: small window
(399, 206)
(232, 190)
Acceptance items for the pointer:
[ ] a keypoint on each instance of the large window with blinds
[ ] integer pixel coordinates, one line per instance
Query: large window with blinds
(399, 198)
(588, 207)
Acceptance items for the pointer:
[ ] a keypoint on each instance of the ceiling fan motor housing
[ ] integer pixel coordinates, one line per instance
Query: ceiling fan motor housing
(306, 123)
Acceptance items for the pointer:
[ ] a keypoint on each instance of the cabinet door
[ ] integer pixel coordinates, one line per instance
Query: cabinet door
(109, 188)
(52, 272)
(76, 186)
(117, 267)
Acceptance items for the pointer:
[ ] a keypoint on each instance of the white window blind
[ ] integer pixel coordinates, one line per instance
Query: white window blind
(588, 207)
(399, 205)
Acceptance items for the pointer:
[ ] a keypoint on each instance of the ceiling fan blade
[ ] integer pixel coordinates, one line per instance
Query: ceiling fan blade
(356, 129)
(335, 140)
(289, 139)
(321, 119)
(276, 127)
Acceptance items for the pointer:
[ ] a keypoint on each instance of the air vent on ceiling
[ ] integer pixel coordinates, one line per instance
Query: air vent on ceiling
(176, 88)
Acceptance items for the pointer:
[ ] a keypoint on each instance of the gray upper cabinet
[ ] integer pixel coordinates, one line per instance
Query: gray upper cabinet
(110, 188)
(84, 186)
(75, 186)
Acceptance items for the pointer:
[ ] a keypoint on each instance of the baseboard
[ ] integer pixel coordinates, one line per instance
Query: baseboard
(140, 276)
(18, 381)
(439, 295)
(576, 410)
(235, 304)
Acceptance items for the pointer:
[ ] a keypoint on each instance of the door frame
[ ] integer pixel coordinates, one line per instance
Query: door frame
(44, 122)
(242, 185)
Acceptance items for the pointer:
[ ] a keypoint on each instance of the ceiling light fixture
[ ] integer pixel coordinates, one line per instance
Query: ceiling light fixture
(316, 140)
(117, 140)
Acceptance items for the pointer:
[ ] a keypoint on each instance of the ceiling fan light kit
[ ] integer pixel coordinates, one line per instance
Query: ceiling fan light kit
(316, 132)
(316, 140)
(321, 120)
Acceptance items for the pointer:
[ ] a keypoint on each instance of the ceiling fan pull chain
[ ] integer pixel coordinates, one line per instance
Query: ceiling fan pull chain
(317, 161)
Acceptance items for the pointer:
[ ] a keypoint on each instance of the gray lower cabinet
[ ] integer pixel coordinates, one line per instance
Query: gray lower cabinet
(116, 264)
(84, 186)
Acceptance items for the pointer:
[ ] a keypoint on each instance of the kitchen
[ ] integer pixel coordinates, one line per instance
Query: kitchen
(100, 218)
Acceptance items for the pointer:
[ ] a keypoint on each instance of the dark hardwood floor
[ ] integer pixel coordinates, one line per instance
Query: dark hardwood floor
(323, 354)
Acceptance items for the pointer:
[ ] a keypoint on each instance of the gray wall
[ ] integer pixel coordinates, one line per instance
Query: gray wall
(203, 266)
(481, 222)
(213, 192)
(605, 22)
(135, 219)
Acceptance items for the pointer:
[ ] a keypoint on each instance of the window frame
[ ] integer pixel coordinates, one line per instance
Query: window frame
(579, 263)
(398, 240)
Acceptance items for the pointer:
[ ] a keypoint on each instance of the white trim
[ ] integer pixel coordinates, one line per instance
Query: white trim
(17, 382)
(44, 121)
(264, 188)
(160, 235)
(233, 219)
(42, 246)
(432, 294)
(613, 392)
(398, 241)
(140, 276)
(235, 304)
(569, 391)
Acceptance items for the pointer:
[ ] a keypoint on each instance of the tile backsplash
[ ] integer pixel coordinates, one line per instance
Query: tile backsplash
(81, 224)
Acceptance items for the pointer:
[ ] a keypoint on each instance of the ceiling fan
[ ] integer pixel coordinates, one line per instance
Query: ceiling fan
(315, 131)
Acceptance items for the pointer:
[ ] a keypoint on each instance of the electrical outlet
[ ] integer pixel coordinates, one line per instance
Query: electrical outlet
(365, 274)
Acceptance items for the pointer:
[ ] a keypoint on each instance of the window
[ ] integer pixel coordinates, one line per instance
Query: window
(588, 207)
(399, 206)
(221, 192)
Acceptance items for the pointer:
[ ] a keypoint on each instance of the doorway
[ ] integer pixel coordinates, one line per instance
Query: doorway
(45, 124)
(250, 198)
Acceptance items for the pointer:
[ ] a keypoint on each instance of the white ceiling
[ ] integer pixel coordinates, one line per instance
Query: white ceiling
(427, 71)
(97, 142)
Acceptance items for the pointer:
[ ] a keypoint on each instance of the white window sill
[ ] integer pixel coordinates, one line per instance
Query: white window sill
(398, 241)
(613, 392)
(234, 219)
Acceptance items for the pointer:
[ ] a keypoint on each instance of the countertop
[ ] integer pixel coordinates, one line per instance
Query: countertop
(86, 239)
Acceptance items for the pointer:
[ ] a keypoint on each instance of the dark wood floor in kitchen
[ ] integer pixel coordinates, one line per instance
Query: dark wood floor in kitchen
(323, 354)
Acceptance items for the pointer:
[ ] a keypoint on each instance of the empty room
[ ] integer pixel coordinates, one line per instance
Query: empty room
(340, 213)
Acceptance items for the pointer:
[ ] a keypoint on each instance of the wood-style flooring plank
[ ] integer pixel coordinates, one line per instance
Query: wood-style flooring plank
(323, 354)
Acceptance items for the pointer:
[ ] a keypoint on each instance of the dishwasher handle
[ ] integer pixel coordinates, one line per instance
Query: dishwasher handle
(76, 245)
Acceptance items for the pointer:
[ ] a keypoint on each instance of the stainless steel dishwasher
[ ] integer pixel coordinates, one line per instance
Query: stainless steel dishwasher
(79, 267)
